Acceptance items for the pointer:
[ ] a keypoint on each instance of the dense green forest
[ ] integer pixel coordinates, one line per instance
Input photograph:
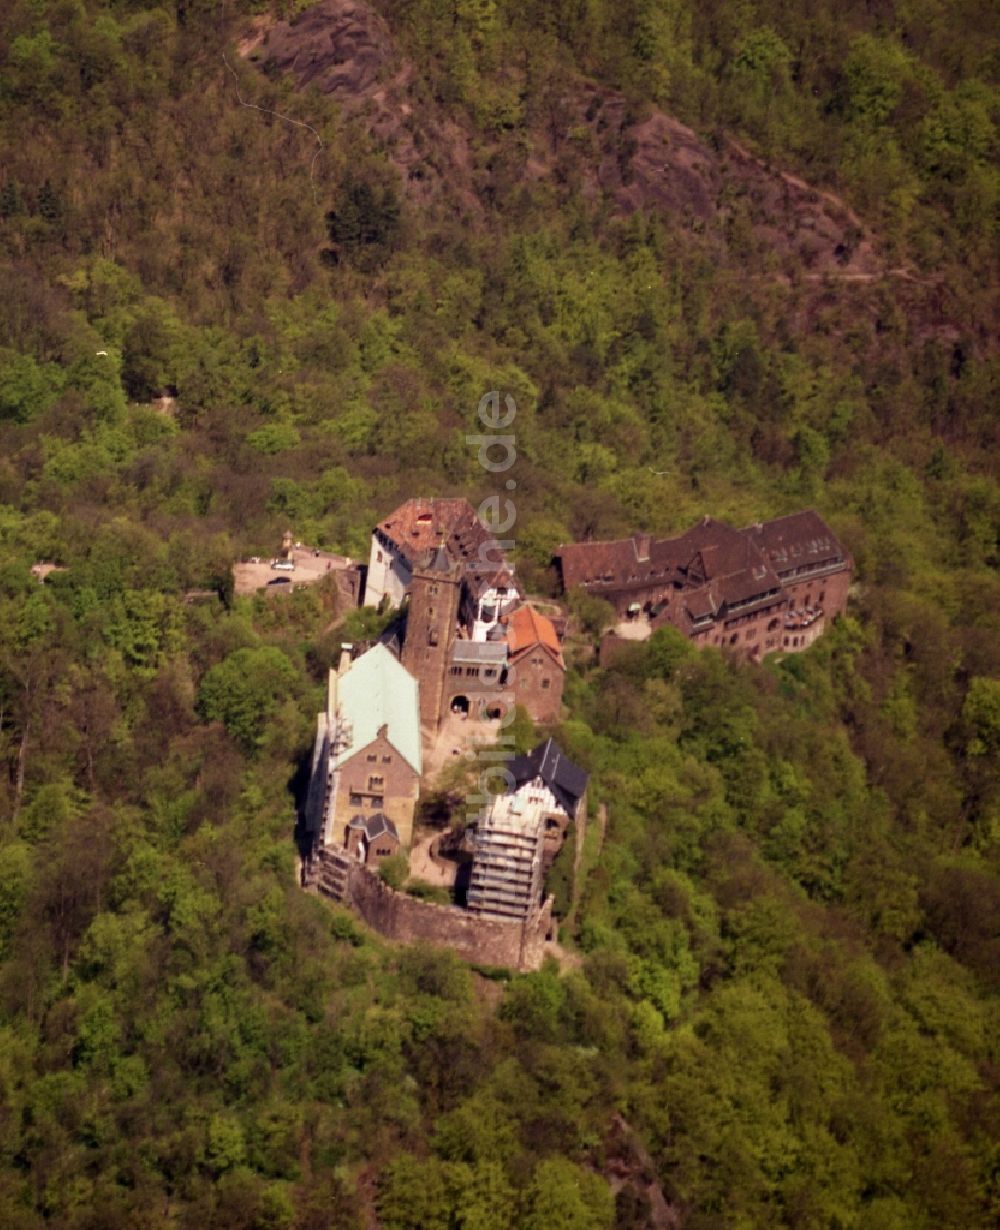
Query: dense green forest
(217, 321)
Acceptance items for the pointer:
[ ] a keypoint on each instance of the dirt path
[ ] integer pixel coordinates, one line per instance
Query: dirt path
(457, 737)
(601, 820)
(424, 867)
(567, 960)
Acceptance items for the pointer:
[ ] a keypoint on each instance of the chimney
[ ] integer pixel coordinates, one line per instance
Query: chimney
(345, 657)
(643, 542)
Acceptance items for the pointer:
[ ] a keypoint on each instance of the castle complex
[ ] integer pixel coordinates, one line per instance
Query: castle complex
(467, 644)
(767, 588)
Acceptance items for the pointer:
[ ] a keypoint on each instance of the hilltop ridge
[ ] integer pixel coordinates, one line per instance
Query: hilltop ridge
(596, 145)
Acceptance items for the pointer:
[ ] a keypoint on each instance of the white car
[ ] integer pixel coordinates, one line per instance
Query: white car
(283, 565)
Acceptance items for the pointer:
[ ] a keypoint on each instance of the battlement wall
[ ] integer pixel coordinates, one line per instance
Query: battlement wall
(398, 916)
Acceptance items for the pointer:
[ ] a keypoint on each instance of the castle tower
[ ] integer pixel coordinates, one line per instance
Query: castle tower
(430, 629)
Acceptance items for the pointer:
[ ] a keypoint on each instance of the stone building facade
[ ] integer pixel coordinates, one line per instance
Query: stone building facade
(372, 838)
(535, 667)
(769, 587)
(435, 591)
(377, 779)
(367, 756)
(476, 682)
(520, 663)
(547, 777)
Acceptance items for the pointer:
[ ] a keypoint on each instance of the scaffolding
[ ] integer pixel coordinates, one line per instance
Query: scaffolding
(506, 879)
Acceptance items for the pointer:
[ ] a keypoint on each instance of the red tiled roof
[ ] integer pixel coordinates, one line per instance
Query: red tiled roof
(701, 602)
(527, 627)
(419, 525)
(586, 562)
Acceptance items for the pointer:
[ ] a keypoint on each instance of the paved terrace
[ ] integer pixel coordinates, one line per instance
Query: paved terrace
(310, 566)
(458, 734)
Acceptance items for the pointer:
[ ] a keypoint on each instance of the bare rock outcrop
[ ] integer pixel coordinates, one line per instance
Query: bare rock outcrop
(782, 230)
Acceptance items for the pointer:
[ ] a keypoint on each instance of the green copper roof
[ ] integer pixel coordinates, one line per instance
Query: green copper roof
(377, 691)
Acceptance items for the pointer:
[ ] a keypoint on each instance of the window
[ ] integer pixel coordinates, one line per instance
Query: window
(432, 636)
(751, 634)
(786, 642)
(387, 760)
(372, 756)
(355, 799)
(472, 672)
(432, 590)
(734, 638)
(380, 557)
(545, 683)
(376, 783)
(822, 595)
(490, 673)
(456, 670)
(376, 801)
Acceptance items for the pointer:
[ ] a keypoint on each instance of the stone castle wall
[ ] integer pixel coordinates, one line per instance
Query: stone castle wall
(538, 684)
(398, 916)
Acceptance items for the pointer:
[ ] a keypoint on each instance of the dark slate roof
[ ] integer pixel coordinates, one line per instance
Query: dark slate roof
(548, 761)
(374, 826)
(490, 652)
(712, 563)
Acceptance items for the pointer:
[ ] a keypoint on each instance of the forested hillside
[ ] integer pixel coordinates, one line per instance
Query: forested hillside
(259, 262)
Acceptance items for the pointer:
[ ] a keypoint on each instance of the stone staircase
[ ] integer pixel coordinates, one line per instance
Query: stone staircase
(332, 870)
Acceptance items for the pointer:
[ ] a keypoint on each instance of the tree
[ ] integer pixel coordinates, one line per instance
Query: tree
(563, 1196)
(364, 224)
(245, 690)
(394, 870)
(26, 388)
(149, 351)
(981, 718)
(412, 1195)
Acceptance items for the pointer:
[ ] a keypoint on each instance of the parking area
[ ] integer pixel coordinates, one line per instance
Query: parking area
(310, 566)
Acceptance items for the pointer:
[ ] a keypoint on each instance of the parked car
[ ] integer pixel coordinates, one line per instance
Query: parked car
(283, 565)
